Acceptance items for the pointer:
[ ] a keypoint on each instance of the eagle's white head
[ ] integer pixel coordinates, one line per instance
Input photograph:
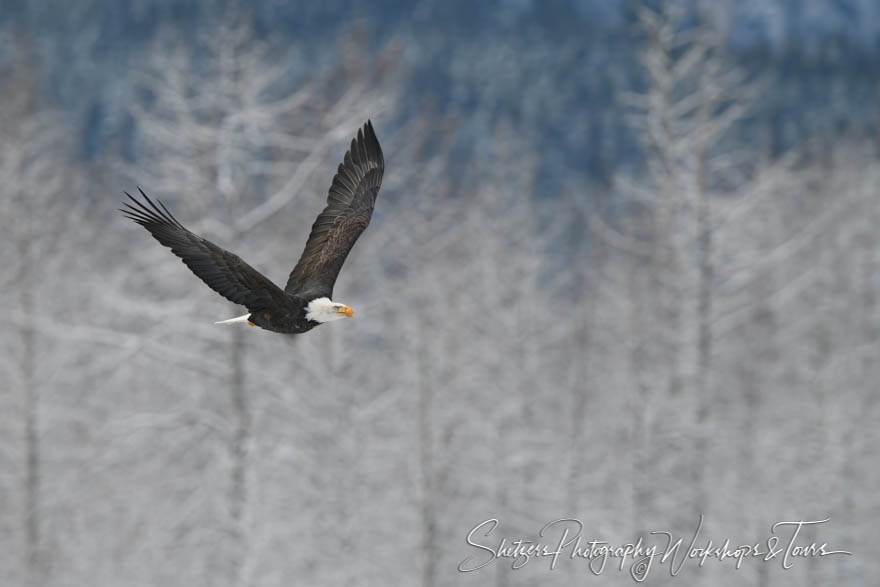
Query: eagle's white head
(324, 310)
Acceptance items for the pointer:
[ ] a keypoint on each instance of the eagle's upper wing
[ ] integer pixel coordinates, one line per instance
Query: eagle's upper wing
(349, 207)
(224, 272)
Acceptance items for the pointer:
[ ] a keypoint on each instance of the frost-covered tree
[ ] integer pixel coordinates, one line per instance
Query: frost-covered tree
(229, 138)
(40, 216)
(700, 190)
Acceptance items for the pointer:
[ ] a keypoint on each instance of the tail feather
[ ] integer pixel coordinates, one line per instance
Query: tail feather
(234, 320)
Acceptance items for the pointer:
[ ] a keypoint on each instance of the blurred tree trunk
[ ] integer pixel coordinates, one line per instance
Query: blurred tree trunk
(240, 443)
(640, 364)
(427, 465)
(32, 478)
(694, 97)
(35, 168)
(19, 166)
(705, 293)
(33, 474)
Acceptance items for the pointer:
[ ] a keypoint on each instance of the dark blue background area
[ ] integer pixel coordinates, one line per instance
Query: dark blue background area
(553, 68)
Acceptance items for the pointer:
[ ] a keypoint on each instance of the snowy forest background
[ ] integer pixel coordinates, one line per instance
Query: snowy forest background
(636, 245)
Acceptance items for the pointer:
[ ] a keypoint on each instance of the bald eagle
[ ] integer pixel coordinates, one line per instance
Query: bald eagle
(305, 302)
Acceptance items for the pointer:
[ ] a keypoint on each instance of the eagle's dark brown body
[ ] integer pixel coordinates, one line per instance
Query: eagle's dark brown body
(287, 318)
(349, 208)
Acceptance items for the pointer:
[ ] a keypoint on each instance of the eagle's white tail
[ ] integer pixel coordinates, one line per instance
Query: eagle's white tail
(234, 320)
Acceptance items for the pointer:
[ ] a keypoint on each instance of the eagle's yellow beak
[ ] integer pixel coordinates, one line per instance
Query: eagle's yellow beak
(345, 311)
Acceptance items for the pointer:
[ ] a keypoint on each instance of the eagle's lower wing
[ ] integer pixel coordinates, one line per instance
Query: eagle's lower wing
(349, 207)
(224, 272)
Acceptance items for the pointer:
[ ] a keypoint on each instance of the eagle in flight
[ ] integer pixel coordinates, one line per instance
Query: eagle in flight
(305, 302)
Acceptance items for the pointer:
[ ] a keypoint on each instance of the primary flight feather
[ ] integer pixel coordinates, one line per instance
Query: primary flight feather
(305, 302)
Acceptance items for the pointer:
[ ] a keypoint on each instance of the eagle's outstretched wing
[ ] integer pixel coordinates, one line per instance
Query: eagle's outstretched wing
(349, 207)
(224, 272)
